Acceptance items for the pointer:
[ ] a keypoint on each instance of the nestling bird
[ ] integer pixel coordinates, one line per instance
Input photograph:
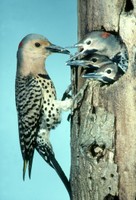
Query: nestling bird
(107, 73)
(37, 106)
(104, 43)
(93, 61)
(98, 67)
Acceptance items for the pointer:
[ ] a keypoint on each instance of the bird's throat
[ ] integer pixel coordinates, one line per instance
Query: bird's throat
(32, 66)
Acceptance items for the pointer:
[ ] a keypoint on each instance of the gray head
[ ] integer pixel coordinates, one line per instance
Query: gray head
(32, 52)
(100, 41)
(37, 45)
(107, 73)
(90, 61)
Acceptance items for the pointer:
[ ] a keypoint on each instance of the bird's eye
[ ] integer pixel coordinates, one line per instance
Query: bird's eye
(37, 44)
(108, 71)
(88, 42)
(94, 59)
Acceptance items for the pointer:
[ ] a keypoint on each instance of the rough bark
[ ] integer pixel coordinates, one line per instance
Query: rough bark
(103, 130)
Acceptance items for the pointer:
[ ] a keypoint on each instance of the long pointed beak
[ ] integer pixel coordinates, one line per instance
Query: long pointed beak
(83, 53)
(79, 44)
(57, 49)
(92, 76)
(75, 63)
(76, 56)
(70, 47)
(75, 45)
(83, 63)
(98, 77)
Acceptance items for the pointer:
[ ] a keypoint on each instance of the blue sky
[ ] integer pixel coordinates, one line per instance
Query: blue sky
(57, 20)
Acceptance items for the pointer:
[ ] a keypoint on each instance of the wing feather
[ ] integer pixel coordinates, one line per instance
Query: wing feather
(28, 102)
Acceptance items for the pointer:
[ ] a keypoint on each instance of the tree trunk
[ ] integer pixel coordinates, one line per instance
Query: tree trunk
(103, 129)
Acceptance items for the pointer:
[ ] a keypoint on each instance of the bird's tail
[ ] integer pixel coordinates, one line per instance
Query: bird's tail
(28, 163)
(51, 160)
(24, 168)
(61, 174)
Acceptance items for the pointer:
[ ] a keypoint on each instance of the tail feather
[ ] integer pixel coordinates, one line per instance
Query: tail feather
(51, 160)
(28, 163)
(24, 168)
(61, 174)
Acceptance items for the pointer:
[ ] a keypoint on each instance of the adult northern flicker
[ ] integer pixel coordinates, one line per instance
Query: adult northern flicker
(38, 109)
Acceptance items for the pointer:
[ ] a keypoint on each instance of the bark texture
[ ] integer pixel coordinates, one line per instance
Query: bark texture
(103, 129)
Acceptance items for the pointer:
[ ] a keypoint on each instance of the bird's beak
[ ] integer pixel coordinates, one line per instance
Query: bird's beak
(83, 53)
(79, 44)
(99, 77)
(86, 51)
(57, 49)
(95, 76)
(75, 45)
(75, 63)
(83, 63)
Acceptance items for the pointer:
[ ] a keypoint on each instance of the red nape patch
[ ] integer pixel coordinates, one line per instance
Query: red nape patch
(105, 35)
(20, 44)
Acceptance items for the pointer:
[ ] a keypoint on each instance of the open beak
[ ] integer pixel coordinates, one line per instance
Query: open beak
(57, 49)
